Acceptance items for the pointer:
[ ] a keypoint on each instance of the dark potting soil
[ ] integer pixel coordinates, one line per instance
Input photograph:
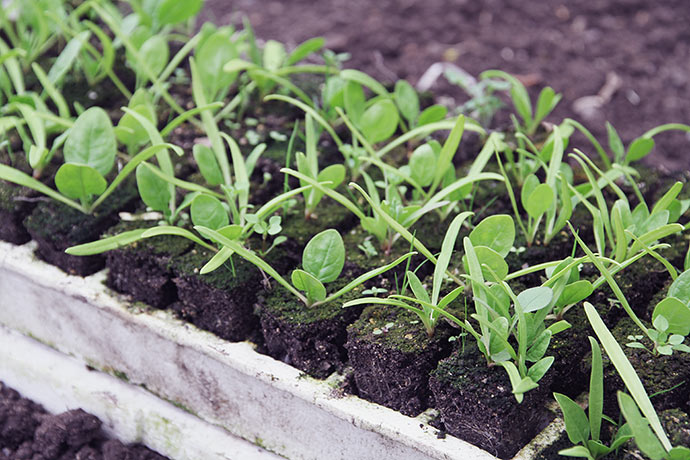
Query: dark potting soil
(640, 47)
(222, 301)
(15, 205)
(56, 227)
(666, 378)
(310, 339)
(143, 268)
(476, 403)
(28, 432)
(392, 356)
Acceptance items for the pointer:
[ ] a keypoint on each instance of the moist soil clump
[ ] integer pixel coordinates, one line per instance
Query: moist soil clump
(28, 432)
(392, 356)
(56, 227)
(222, 301)
(664, 377)
(143, 268)
(310, 339)
(477, 404)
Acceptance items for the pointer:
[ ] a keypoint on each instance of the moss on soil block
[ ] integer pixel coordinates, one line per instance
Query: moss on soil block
(142, 269)
(310, 339)
(666, 378)
(392, 355)
(476, 403)
(328, 214)
(676, 424)
(56, 227)
(222, 301)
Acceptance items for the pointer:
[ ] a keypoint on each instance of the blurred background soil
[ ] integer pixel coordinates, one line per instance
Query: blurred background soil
(625, 61)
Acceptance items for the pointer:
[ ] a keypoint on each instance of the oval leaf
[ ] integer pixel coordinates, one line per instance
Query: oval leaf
(676, 313)
(153, 190)
(432, 115)
(539, 201)
(407, 100)
(575, 292)
(493, 260)
(79, 181)
(208, 211)
(423, 165)
(638, 149)
(324, 256)
(535, 298)
(306, 282)
(379, 121)
(175, 11)
(208, 165)
(680, 288)
(91, 141)
(495, 232)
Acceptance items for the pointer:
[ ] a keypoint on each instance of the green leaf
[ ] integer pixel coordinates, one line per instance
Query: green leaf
(596, 390)
(667, 199)
(679, 453)
(680, 288)
(175, 11)
(531, 182)
(155, 53)
(576, 451)
(432, 114)
(208, 211)
(444, 257)
(534, 299)
(324, 256)
(576, 422)
(626, 371)
(306, 282)
(364, 80)
(217, 260)
(211, 56)
(129, 131)
(91, 141)
(67, 57)
(274, 55)
(644, 437)
(539, 347)
(575, 292)
(354, 101)
(539, 201)
(407, 100)
(304, 49)
(546, 103)
(79, 181)
(379, 121)
(423, 165)
(638, 149)
(615, 143)
(540, 368)
(676, 313)
(208, 165)
(496, 264)
(417, 288)
(496, 232)
(153, 190)
(106, 244)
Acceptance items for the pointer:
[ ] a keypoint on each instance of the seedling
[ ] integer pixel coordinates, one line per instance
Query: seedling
(637, 408)
(584, 429)
(89, 152)
(322, 261)
(531, 118)
(425, 306)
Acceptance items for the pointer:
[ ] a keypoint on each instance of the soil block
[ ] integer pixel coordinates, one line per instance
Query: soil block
(392, 356)
(14, 207)
(28, 432)
(56, 227)
(310, 339)
(222, 301)
(143, 268)
(568, 348)
(476, 403)
(664, 377)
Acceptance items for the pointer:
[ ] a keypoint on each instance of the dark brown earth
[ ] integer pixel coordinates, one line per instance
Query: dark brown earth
(641, 47)
(28, 432)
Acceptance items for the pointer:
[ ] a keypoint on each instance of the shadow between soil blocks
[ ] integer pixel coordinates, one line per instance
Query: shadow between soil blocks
(222, 301)
(476, 404)
(310, 339)
(392, 356)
